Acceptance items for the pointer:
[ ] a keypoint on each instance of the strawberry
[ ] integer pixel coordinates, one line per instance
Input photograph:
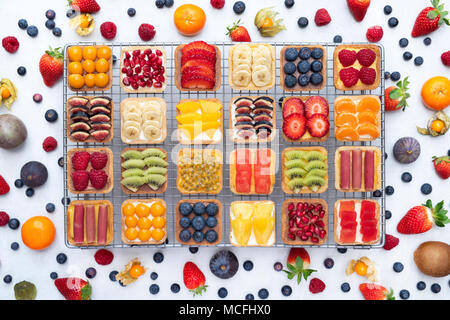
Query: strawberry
(316, 105)
(98, 178)
(419, 219)
(445, 58)
(293, 105)
(395, 96)
(193, 278)
(372, 291)
(442, 166)
(390, 242)
(51, 66)
(74, 288)
(85, 6)
(4, 186)
(294, 126)
(318, 125)
(430, 19)
(358, 8)
(297, 264)
(197, 82)
(374, 34)
(238, 33)
(198, 45)
(322, 17)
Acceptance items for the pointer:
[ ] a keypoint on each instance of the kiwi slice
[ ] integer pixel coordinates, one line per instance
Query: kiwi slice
(133, 163)
(296, 184)
(294, 154)
(132, 154)
(133, 172)
(295, 173)
(133, 183)
(317, 173)
(315, 164)
(155, 162)
(314, 155)
(153, 152)
(296, 163)
(155, 181)
(314, 183)
(156, 170)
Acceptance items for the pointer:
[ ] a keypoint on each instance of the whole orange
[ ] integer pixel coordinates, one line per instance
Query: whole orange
(189, 19)
(38, 232)
(436, 93)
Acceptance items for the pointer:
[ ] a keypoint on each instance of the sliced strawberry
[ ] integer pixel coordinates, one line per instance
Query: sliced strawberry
(198, 62)
(318, 125)
(197, 82)
(198, 71)
(316, 105)
(294, 126)
(293, 105)
(198, 54)
(198, 45)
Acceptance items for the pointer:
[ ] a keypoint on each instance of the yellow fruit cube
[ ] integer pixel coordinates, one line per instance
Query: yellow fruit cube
(188, 106)
(190, 117)
(208, 106)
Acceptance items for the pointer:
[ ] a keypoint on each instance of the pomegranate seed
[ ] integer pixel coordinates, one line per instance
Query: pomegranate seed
(158, 52)
(157, 84)
(299, 233)
(149, 83)
(322, 213)
(124, 70)
(136, 53)
(291, 206)
(304, 219)
(304, 237)
(316, 230)
(311, 207)
(320, 224)
(161, 78)
(134, 85)
(138, 69)
(141, 83)
(162, 69)
(292, 229)
(299, 206)
(291, 223)
(132, 64)
(312, 227)
(126, 81)
(291, 236)
(291, 214)
(127, 55)
(298, 213)
(314, 219)
(301, 225)
(322, 234)
(126, 63)
(308, 234)
(314, 239)
(319, 207)
(152, 56)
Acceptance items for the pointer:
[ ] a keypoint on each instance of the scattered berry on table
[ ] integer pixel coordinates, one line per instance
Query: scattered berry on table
(286, 291)
(393, 22)
(427, 41)
(421, 285)
(387, 214)
(70, 13)
(146, 32)
(407, 55)
(193, 250)
(403, 42)
(51, 115)
(65, 201)
(302, 22)
(385, 156)
(390, 242)
(37, 98)
(406, 177)
(4, 218)
(217, 4)
(222, 293)
(278, 266)
(108, 30)
(53, 275)
(49, 144)
(448, 152)
(398, 267)
(61, 162)
(426, 188)
(61, 258)
(328, 263)
(169, 3)
(395, 76)
(377, 193)
(239, 7)
(14, 246)
(7, 279)
(154, 289)
(112, 275)
(158, 257)
(131, 12)
(342, 250)
(316, 285)
(91, 273)
(21, 70)
(159, 3)
(50, 24)
(418, 61)
(114, 59)
(387, 9)
(345, 287)
(29, 192)
(322, 17)
(103, 257)
(13, 223)
(50, 14)
(263, 293)
(389, 190)
(23, 24)
(248, 265)
(175, 288)
(249, 297)
(445, 58)
(387, 75)
(289, 3)
(18, 183)
(374, 34)
(404, 294)
(337, 39)
(153, 276)
(32, 31)
(10, 44)
(50, 207)
(435, 288)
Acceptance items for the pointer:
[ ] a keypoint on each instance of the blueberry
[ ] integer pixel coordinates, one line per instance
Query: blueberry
(289, 68)
(303, 66)
(57, 32)
(286, 291)
(199, 208)
(385, 156)
(21, 71)
(421, 285)
(393, 22)
(263, 293)
(317, 53)
(37, 98)
(303, 80)
(51, 115)
(403, 42)
(121, 284)
(291, 54)
(448, 152)
(387, 75)
(398, 267)
(426, 188)
(342, 250)
(427, 41)
(18, 183)
(13, 223)
(377, 193)
(159, 3)
(248, 265)
(389, 190)
(435, 288)
(249, 297)
(211, 222)
(7, 279)
(175, 288)
(212, 209)
(50, 24)
(185, 235)
(316, 78)
(239, 7)
(193, 250)
(198, 223)
(407, 56)
(337, 39)
(404, 294)
(153, 276)
(185, 209)
(289, 3)
(154, 289)
(222, 293)
(112, 275)
(387, 9)
(395, 76)
(345, 287)
(316, 66)
(65, 201)
(278, 266)
(23, 24)
(14, 246)
(29, 192)
(387, 214)
(131, 12)
(158, 257)
(290, 81)
(114, 59)
(185, 222)
(91, 273)
(406, 177)
(70, 13)
(32, 31)
(418, 61)
(302, 22)
(168, 3)
(61, 258)
(304, 53)
(328, 263)
(50, 14)
(53, 275)
(198, 236)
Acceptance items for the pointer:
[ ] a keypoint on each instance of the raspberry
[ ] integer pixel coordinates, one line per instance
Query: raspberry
(80, 180)
(99, 160)
(80, 160)
(4, 186)
(103, 257)
(390, 242)
(445, 57)
(49, 144)
(146, 32)
(4, 218)
(11, 44)
(98, 178)
(367, 75)
(374, 34)
(347, 57)
(108, 30)
(366, 57)
(316, 285)
(322, 17)
(218, 4)
(349, 76)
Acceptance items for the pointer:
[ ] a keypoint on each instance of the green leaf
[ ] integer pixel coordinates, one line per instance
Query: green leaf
(299, 263)
(395, 94)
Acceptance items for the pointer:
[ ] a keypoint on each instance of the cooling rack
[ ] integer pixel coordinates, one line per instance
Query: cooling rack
(225, 93)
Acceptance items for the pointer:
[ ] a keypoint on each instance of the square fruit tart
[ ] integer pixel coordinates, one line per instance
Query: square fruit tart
(90, 170)
(252, 171)
(199, 121)
(357, 67)
(356, 222)
(304, 222)
(90, 119)
(143, 170)
(305, 119)
(199, 171)
(143, 120)
(198, 67)
(252, 119)
(89, 68)
(251, 66)
(357, 118)
(144, 221)
(252, 223)
(357, 169)
(303, 68)
(304, 170)
(143, 69)
(90, 223)
(199, 222)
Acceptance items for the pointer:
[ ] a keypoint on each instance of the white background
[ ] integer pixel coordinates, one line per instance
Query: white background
(35, 266)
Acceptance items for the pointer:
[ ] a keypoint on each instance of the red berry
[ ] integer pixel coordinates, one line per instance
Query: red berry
(322, 17)
(349, 76)
(445, 57)
(108, 30)
(367, 75)
(98, 178)
(4, 186)
(146, 32)
(11, 44)
(294, 126)
(316, 105)
(49, 144)
(374, 34)
(316, 285)
(4, 218)
(80, 180)
(80, 160)
(104, 257)
(293, 105)
(318, 125)
(347, 57)
(390, 242)
(366, 57)
(99, 160)
(218, 4)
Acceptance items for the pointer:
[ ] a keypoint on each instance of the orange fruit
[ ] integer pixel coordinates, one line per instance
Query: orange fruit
(436, 93)
(158, 234)
(361, 268)
(38, 232)
(101, 65)
(75, 54)
(89, 53)
(5, 93)
(142, 210)
(367, 116)
(101, 80)
(131, 221)
(131, 233)
(346, 133)
(344, 105)
(343, 119)
(76, 81)
(157, 209)
(159, 222)
(437, 125)
(368, 104)
(144, 234)
(368, 129)
(267, 23)
(89, 80)
(189, 19)
(128, 209)
(104, 52)
(144, 223)
(136, 271)
(84, 21)
(75, 67)
(88, 66)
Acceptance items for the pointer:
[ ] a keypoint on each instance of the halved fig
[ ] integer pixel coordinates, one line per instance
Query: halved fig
(245, 133)
(79, 108)
(80, 135)
(99, 109)
(80, 126)
(263, 108)
(263, 116)
(103, 101)
(100, 135)
(243, 117)
(263, 124)
(244, 125)
(243, 109)
(78, 101)
(100, 117)
(263, 133)
(264, 100)
(100, 126)
(79, 116)
(243, 102)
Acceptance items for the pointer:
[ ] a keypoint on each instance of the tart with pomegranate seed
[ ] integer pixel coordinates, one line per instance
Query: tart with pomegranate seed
(143, 69)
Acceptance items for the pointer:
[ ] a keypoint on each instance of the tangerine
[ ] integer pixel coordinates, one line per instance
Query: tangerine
(344, 105)
(346, 119)
(368, 103)
(367, 116)
(38, 232)
(368, 129)
(346, 134)
(157, 209)
(189, 19)
(436, 93)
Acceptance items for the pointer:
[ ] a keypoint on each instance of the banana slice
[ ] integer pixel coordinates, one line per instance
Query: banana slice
(132, 123)
(131, 132)
(151, 115)
(152, 132)
(261, 51)
(152, 106)
(261, 76)
(260, 61)
(242, 54)
(241, 78)
(242, 67)
(151, 123)
(133, 116)
(132, 107)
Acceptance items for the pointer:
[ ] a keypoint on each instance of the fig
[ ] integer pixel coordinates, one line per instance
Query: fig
(33, 174)
(433, 258)
(12, 131)
(406, 150)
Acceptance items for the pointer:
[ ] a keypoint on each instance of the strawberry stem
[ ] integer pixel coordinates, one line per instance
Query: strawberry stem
(199, 290)
(297, 270)
(438, 213)
(401, 92)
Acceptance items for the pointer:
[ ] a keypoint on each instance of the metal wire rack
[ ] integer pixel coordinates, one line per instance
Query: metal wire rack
(172, 95)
